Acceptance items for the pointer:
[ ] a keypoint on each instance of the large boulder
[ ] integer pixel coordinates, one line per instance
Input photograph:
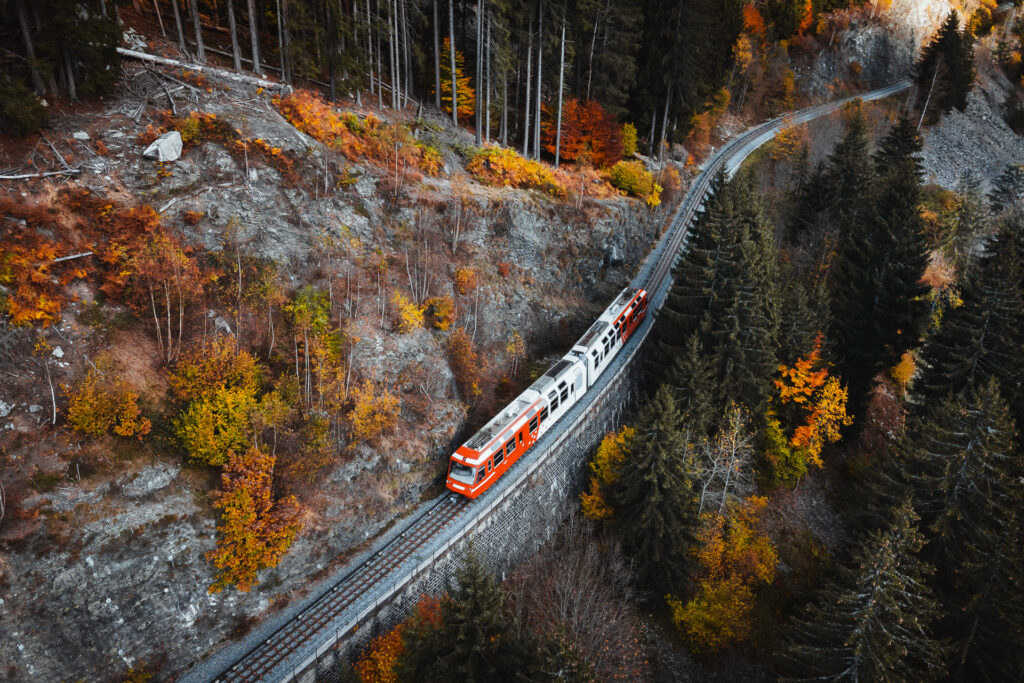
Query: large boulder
(167, 147)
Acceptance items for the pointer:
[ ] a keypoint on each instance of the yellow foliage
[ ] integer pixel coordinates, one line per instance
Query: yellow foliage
(441, 310)
(610, 456)
(255, 530)
(101, 402)
(374, 412)
(465, 280)
(790, 143)
(734, 556)
(504, 168)
(217, 425)
(632, 178)
(218, 363)
(408, 316)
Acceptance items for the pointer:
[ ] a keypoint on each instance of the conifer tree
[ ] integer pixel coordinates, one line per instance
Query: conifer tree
(945, 72)
(654, 498)
(474, 639)
(875, 622)
(980, 338)
(878, 299)
(695, 392)
(1008, 189)
(849, 174)
(960, 461)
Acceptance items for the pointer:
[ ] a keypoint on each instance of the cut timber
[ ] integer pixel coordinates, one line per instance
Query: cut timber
(25, 176)
(219, 73)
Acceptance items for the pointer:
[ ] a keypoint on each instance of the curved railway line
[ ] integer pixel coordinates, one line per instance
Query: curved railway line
(288, 650)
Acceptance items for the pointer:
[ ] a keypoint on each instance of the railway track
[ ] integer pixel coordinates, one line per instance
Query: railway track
(343, 606)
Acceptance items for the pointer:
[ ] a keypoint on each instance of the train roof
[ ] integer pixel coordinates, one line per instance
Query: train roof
(499, 422)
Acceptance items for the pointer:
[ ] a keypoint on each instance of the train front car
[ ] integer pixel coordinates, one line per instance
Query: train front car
(477, 464)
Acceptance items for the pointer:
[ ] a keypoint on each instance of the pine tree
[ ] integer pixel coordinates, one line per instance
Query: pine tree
(945, 72)
(874, 622)
(654, 499)
(980, 338)
(474, 639)
(878, 300)
(1008, 189)
(849, 174)
(959, 458)
(695, 393)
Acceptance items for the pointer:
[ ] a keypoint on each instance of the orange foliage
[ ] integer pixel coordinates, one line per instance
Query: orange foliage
(607, 462)
(374, 412)
(441, 310)
(753, 21)
(589, 134)
(368, 139)
(255, 530)
(465, 364)
(465, 280)
(377, 663)
(807, 20)
(734, 556)
(216, 364)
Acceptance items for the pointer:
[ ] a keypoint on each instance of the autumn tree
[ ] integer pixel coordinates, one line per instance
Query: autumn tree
(604, 470)
(465, 92)
(256, 529)
(874, 623)
(589, 134)
(727, 470)
(217, 425)
(374, 411)
(170, 278)
(217, 363)
(807, 412)
(733, 557)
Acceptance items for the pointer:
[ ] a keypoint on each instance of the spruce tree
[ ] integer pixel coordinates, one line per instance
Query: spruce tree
(654, 499)
(875, 622)
(980, 338)
(878, 300)
(695, 391)
(474, 639)
(1008, 189)
(945, 72)
(960, 462)
(849, 174)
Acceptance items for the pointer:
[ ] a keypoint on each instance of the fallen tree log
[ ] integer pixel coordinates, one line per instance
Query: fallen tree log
(219, 73)
(26, 176)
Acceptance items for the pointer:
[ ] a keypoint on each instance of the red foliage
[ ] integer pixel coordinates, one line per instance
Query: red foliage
(589, 134)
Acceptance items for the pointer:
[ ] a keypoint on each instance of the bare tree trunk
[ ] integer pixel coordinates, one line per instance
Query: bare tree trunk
(931, 88)
(479, 70)
(487, 73)
(280, 43)
(437, 62)
(393, 53)
(451, 46)
(540, 58)
(590, 62)
(159, 17)
(369, 46)
(561, 79)
(236, 53)
(197, 27)
(664, 124)
(177, 25)
(72, 90)
(504, 110)
(254, 34)
(407, 60)
(529, 80)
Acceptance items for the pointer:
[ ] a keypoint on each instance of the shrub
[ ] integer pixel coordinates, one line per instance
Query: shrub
(374, 411)
(217, 425)
(407, 315)
(441, 310)
(632, 178)
(21, 112)
(503, 167)
(629, 140)
(504, 268)
(100, 402)
(217, 364)
(465, 280)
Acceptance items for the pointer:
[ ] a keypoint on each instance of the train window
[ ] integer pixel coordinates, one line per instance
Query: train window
(498, 457)
(489, 465)
(510, 446)
(533, 423)
(463, 473)
(520, 438)
(565, 393)
(543, 414)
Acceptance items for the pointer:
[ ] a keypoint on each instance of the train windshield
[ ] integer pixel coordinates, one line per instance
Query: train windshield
(463, 473)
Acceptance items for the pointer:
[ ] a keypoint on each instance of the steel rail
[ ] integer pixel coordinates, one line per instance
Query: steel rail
(276, 656)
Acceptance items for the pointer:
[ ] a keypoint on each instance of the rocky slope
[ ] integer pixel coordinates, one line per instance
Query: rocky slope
(102, 561)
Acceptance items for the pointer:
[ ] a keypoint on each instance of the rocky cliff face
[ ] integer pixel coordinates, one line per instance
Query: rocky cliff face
(102, 566)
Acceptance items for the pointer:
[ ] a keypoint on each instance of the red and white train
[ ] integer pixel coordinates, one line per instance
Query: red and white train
(477, 464)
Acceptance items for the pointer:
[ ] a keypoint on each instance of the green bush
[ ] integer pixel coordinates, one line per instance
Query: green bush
(21, 112)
